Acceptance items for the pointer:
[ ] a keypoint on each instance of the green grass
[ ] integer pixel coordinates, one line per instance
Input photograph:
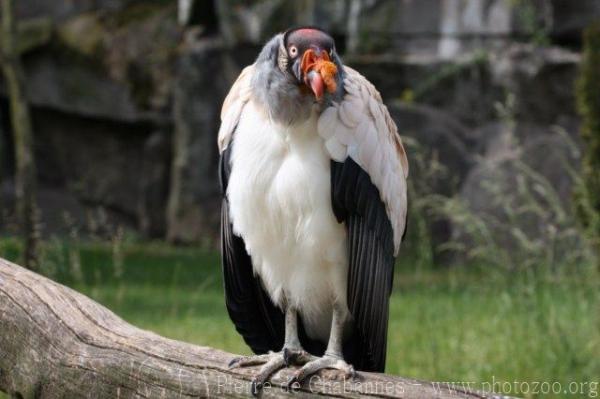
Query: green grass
(454, 324)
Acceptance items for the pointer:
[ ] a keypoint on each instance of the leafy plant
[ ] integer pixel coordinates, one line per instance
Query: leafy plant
(524, 225)
(535, 18)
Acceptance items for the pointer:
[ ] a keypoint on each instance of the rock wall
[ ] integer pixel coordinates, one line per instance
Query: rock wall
(100, 87)
(126, 95)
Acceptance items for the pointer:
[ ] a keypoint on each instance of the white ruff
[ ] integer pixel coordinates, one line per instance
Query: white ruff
(279, 194)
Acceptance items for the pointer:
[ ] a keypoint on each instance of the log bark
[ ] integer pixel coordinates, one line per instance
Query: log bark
(25, 179)
(57, 343)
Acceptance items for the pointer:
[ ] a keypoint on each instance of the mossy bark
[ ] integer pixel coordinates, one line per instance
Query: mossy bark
(25, 179)
(588, 101)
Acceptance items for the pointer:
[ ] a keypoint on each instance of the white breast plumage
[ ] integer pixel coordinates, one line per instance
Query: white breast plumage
(280, 202)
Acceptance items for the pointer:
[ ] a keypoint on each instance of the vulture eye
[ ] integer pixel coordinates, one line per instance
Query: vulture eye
(293, 50)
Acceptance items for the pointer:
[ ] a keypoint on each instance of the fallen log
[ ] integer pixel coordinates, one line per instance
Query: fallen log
(57, 343)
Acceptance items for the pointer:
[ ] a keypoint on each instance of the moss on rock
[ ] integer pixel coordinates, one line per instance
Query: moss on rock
(83, 34)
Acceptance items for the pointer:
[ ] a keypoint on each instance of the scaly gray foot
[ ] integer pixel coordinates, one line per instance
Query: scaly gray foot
(271, 363)
(320, 363)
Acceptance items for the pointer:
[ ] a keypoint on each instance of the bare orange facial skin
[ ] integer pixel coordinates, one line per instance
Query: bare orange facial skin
(328, 70)
(323, 66)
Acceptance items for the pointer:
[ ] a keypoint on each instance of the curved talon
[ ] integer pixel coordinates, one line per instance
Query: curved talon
(255, 387)
(287, 357)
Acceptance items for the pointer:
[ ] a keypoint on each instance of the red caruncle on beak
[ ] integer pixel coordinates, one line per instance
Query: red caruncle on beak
(319, 72)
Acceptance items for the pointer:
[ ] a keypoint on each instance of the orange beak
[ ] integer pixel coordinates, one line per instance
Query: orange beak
(319, 72)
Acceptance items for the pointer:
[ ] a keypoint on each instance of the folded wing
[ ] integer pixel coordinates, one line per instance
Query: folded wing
(368, 182)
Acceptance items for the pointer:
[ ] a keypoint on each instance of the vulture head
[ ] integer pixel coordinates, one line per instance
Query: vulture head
(309, 54)
(296, 71)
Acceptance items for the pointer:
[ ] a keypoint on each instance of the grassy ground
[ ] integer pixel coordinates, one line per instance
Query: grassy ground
(449, 325)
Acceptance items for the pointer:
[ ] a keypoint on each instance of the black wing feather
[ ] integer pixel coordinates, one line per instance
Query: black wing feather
(357, 203)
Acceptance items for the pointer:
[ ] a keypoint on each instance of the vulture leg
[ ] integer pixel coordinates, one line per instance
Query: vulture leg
(333, 357)
(292, 353)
